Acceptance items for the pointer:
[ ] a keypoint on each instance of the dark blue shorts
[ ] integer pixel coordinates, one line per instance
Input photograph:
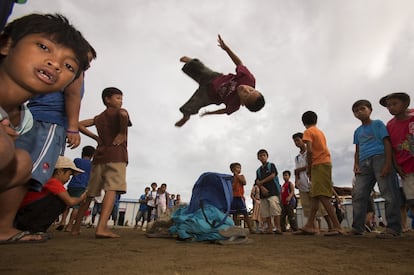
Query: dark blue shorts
(238, 206)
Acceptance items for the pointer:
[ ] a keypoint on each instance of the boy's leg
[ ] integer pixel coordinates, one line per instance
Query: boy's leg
(292, 218)
(283, 219)
(81, 212)
(72, 218)
(364, 182)
(310, 224)
(9, 204)
(326, 202)
(102, 230)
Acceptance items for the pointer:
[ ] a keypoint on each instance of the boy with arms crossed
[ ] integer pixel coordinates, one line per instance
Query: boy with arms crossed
(109, 161)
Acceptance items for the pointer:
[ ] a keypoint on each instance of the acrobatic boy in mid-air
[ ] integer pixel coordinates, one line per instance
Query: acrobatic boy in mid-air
(215, 88)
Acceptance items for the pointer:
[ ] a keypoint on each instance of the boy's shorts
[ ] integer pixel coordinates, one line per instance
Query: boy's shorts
(44, 142)
(203, 76)
(107, 176)
(305, 200)
(321, 180)
(238, 206)
(408, 186)
(270, 207)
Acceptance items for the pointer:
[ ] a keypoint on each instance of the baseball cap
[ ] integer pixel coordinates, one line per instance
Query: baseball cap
(64, 162)
(401, 96)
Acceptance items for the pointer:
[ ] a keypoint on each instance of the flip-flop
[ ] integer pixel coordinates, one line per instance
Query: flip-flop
(235, 240)
(114, 236)
(335, 233)
(234, 231)
(16, 239)
(303, 232)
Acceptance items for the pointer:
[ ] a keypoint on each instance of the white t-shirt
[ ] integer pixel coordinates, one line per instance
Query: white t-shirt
(300, 161)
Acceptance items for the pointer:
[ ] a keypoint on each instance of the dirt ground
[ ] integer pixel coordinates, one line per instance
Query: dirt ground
(134, 253)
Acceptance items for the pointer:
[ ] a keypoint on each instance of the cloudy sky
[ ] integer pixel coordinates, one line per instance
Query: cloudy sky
(305, 55)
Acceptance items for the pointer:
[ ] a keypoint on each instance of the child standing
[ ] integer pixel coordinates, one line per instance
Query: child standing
(319, 169)
(266, 179)
(238, 205)
(401, 131)
(40, 209)
(373, 164)
(142, 214)
(215, 88)
(288, 203)
(39, 54)
(109, 161)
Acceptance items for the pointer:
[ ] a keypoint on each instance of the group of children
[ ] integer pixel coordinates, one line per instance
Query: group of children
(43, 60)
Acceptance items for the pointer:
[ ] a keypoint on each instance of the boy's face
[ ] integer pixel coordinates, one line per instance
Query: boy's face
(64, 175)
(114, 101)
(236, 169)
(262, 157)
(362, 112)
(247, 94)
(38, 64)
(298, 142)
(286, 177)
(396, 106)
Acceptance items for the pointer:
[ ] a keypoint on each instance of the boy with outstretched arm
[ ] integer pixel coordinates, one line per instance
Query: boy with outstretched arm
(39, 54)
(109, 161)
(373, 164)
(216, 88)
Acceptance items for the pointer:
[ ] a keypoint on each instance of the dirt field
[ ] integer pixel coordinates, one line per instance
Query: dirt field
(134, 253)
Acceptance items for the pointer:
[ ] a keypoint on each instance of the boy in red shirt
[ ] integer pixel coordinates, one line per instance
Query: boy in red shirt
(288, 203)
(216, 88)
(40, 209)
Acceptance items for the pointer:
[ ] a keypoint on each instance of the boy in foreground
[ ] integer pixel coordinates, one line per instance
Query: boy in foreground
(109, 161)
(216, 88)
(39, 54)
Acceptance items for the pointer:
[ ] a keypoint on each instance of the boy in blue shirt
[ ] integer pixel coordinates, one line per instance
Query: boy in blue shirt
(372, 164)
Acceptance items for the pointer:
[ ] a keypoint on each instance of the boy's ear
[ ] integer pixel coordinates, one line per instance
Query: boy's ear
(5, 48)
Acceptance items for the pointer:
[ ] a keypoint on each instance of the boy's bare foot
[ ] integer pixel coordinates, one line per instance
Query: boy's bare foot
(182, 121)
(106, 235)
(185, 59)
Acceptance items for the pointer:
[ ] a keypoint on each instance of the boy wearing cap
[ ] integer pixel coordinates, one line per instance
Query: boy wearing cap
(40, 209)
(401, 131)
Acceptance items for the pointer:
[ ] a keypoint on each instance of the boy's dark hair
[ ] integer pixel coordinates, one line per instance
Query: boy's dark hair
(361, 102)
(164, 184)
(309, 118)
(153, 184)
(297, 135)
(110, 91)
(88, 151)
(57, 27)
(401, 96)
(262, 151)
(147, 188)
(286, 172)
(257, 105)
(234, 164)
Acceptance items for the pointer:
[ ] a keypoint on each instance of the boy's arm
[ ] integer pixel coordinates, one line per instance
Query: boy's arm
(241, 178)
(356, 159)
(226, 48)
(217, 112)
(70, 201)
(309, 157)
(266, 179)
(291, 191)
(72, 95)
(83, 128)
(388, 158)
(123, 126)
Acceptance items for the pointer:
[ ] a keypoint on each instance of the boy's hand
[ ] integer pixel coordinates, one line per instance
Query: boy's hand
(385, 170)
(119, 139)
(5, 123)
(73, 140)
(221, 43)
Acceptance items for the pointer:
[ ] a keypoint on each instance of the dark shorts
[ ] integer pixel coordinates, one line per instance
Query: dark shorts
(238, 206)
(203, 76)
(76, 192)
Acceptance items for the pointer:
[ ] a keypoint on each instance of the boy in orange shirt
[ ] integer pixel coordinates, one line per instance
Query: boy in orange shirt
(238, 204)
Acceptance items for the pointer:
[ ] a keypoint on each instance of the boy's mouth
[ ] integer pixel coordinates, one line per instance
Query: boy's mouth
(46, 76)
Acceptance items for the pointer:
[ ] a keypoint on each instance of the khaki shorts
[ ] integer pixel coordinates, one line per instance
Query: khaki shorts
(270, 207)
(107, 176)
(322, 180)
(305, 200)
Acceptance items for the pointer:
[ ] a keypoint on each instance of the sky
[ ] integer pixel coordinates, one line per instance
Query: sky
(305, 55)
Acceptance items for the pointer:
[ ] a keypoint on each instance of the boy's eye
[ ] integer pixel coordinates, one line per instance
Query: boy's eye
(69, 67)
(42, 46)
